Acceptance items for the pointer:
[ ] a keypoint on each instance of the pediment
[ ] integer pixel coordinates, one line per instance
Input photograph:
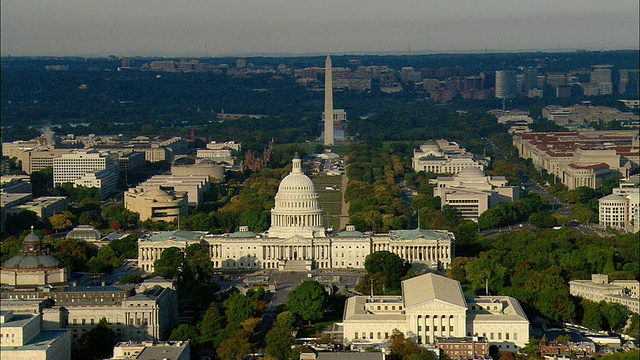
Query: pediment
(435, 304)
(296, 240)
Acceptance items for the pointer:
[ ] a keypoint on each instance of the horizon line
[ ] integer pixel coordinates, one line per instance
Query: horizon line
(316, 54)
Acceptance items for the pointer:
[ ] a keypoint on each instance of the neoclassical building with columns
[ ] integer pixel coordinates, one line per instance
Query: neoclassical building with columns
(433, 306)
(297, 239)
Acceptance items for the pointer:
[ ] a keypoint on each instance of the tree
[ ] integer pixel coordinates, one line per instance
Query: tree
(170, 263)
(307, 300)
(401, 347)
(61, 221)
(507, 355)
(456, 271)
(97, 343)
(592, 318)
(280, 338)
(211, 324)
(388, 264)
(235, 347)
(24, 220)
(615, 314)
(198, 267)
(8, 248)
(104, 262)
(184, 332)
(634, 326)
(424, 355)
(89, 218)
(239, 308)
(543, 219)
(487, 266)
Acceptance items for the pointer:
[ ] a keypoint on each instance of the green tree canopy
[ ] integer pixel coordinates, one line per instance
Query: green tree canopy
(184, 332)
(307, 300)
(212, 323)
(170, 263)
(239, 308)
(280, 338)
(388, 264)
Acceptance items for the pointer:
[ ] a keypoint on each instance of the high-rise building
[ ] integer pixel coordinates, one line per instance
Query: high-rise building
(601, 76)
(628, 81)
(505, 84)
(75, 165)
(328, 102)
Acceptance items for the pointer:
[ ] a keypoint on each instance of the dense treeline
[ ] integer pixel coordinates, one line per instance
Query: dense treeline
(376, 202)
(79, 255)
(536, 266)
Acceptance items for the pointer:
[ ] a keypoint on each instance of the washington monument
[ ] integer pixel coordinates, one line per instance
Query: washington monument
(328, 102)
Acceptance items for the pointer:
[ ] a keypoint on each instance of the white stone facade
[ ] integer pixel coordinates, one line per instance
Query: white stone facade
(471, 192)
(442, 156)
(156, 204)
(599, 288)
(72, 166)
(297, 235)
(432, 306)
(620, 211)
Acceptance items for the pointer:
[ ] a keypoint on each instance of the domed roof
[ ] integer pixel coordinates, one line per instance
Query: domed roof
(31, 256)
(296, 182)
(84, 232)
(431, 145)
(29, 261)
(31, 238)
(158, 194)
(471, 172)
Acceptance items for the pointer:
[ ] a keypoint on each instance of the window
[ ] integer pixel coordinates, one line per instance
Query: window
(386, 335)
(379, 335)
(426, 328)
(355, 335)
(491, 336)
(371, 335)
(515, 336)
(506, 336)
(499, 336)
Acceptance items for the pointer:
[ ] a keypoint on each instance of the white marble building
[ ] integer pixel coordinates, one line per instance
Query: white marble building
(442, 156)
(433, 306)
(297, 239)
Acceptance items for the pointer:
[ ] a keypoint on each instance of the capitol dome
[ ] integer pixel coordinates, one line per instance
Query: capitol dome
(296, 210)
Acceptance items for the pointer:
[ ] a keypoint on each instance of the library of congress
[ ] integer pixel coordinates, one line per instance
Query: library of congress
(297, 239)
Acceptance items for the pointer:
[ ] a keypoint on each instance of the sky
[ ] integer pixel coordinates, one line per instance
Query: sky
(198, 28)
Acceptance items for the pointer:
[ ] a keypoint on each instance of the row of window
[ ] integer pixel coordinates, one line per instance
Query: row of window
(364, 335)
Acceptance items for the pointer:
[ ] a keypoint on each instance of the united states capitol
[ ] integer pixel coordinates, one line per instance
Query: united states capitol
(298, 241)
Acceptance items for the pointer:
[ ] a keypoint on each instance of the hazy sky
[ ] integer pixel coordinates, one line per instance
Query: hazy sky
(236, 27)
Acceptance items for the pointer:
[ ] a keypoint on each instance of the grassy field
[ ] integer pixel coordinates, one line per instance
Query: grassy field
(330, 200)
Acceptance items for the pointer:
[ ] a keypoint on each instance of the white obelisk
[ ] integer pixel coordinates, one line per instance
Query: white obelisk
(328, 102)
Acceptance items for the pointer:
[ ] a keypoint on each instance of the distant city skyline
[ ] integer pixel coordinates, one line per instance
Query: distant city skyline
(196, 28)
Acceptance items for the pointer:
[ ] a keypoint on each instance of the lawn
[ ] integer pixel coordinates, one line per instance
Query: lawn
(330, 200)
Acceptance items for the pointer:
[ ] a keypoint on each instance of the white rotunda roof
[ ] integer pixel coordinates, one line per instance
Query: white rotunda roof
(296, 183)
(296, 210)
